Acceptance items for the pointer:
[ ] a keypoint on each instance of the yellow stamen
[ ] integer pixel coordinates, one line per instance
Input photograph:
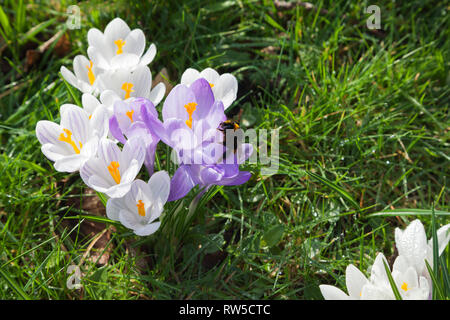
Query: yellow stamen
(119, 43)
(130, 115)
(127, 88)
(91, 75)
(113, 169)
(141, 209)
(69, 140)
(90, 117)
(404, 286)
(190, 108)
(211, 85)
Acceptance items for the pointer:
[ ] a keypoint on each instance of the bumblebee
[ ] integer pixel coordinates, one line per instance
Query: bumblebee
(229, 125)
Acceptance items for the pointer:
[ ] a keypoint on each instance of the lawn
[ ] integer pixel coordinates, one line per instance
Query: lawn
(363, 122)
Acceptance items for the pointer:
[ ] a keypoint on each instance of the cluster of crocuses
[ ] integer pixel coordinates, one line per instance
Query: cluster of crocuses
(409, 271)
(119, 109)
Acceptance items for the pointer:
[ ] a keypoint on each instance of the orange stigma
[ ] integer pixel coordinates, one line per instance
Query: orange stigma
(91, 75)
(190, 108)
(119, 43)
(130, 115)
(127, 87)
(113, 169)
(141, 209)
(69, 140)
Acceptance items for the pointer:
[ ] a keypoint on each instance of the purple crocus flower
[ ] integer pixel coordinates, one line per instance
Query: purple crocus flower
(191, 117)
(224, 174)
(191, 121)
(127, 122)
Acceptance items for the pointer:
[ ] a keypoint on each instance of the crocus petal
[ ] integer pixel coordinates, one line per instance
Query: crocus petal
(99, 122)
(98, 57)
(176, 100)
(76, 120)
(226, 89)
(124, 61)
(96, 39)
(53, 152)
(155, 126)
(113, 207)
(148, 229)
(69, 77)
(115, 130)
(157, 93)
(135, 42)
(159, 184)
(48, 132)
(116, 191)
(133, 150)
(204, 97)
(70, 163)
(400, 264)
(131, 172)
(216, 115)
(412, 243)
(89, 102)
(116, 29)
(355, 280)
(211, 175)
(180, 184)
(90, 148)
(142, 80)
(211, 75)
(148, 56)
(129, 220)
(149, 160)
(189, 76)
(241, 178)
(332, 293)
(80, 64)
(109, 151)
(443, 235)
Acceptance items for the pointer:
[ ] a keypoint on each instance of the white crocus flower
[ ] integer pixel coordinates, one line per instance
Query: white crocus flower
(410, 285)
(119, 47)
(73, 141)
(223, 86)
(378, 287)
(91, 103)
(113, 170)
(412, 244)
(124, 84)
(142, 205)
(85, 77)
(354, 280)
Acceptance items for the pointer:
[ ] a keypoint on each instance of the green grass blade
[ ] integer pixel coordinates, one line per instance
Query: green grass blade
(408, 212)
(437, 290)
(103, 198)
(14, 285)
(392, 282)
(335, 187)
